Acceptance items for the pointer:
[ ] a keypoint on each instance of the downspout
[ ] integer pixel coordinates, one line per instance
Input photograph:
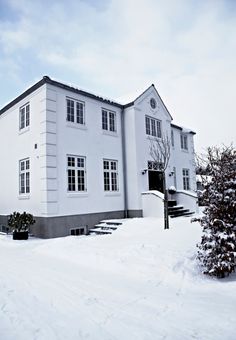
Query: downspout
(124, 161)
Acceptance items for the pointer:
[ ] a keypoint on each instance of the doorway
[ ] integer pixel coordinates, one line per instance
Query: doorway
(156, 181)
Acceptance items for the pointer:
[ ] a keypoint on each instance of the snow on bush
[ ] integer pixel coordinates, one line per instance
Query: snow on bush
(217, 248)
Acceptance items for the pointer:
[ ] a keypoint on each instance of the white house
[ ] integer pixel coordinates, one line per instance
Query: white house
(72, 158)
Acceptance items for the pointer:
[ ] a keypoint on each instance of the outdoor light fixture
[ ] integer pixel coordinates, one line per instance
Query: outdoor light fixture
(144, 171)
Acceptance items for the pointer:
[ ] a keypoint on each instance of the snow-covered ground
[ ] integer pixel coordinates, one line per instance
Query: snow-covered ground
(141, 282)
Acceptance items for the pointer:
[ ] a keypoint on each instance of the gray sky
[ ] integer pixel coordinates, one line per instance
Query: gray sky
(187, 48)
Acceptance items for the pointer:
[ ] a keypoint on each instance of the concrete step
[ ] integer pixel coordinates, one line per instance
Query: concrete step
(184, 214)
(99, 231)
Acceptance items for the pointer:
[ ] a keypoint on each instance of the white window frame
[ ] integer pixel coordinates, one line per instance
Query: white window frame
(76, 171)
(110, 175)
(109, 120)
(184, 141)
(75, 111)
(186, 179)
(24, 176)
(24, 116)
(153, 127)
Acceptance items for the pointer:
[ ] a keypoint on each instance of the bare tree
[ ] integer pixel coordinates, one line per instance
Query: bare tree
(160, 153)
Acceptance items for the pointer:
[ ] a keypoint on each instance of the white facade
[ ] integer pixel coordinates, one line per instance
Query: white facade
(49, 138)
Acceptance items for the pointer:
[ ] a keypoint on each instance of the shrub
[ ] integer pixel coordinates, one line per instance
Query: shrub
(20, 222)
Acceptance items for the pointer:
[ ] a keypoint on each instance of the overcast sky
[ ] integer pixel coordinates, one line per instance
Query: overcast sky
(187, 48)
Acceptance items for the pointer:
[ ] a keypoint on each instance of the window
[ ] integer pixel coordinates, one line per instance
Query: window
(153, 127)
(24, 116)
(75, 111)
(186, 180)
(76, 174)
(184, 141)
(172, 138)
(24, 176)
(108, 120)
(110, 172)
(153, 103)
(155, 166)
(77, 231)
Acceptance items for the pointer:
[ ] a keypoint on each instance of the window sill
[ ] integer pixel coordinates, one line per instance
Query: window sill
(24, 197)
(76, 126)
(76, 194)
(150, 137)
(112, 193)
(185, 150)
(110, 133)
(21, 131)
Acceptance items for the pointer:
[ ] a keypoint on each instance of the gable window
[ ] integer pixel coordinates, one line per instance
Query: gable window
(108, 120)
(153, 103)
(186, 179)
(75, 111)
(184, 141)
(24, 176)
(76, 173)
(153, 127)
(24, 116)
(110, 175)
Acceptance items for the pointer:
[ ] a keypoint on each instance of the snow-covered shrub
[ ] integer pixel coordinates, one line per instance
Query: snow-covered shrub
(20, 222)
(217, 250)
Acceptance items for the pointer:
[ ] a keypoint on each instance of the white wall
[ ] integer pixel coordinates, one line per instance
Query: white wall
(56, 138)
(16, 146)
(138, 143)
(181, 159)
(93, 143)
(153, 204)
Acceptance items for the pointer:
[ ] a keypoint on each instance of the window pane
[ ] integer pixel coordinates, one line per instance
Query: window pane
(80, 162)
(80, 178)
(172, 138)
(71, 180)
(113, 165)
(105, 165)
(27, 164)
(106, 181)
(153, 126)
(158, 129)
(70, 110)
(27, 182)
(112, 121)
(104, 120)
(71, 161)
(22, 183)
(80, 113)
(114, 186)
(22, 165)
(22, 118)
(27, 118)
(148, 131)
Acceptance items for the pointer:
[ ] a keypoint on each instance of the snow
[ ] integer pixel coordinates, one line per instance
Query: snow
(141, 282)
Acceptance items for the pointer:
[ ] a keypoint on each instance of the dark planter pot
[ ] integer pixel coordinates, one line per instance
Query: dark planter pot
(20, 235)
(171, 192)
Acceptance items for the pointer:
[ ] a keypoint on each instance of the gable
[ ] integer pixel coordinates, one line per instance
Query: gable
(151, 102)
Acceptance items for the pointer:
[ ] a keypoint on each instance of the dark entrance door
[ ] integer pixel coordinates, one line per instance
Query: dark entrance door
(155, 180)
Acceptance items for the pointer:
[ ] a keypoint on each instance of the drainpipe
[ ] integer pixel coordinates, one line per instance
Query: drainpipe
(124, 161)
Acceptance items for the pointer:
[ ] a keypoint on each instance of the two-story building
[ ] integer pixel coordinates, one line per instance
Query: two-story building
(72, 158)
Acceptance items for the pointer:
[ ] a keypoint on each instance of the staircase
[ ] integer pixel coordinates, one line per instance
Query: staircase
(105, 227)
(175, 210)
